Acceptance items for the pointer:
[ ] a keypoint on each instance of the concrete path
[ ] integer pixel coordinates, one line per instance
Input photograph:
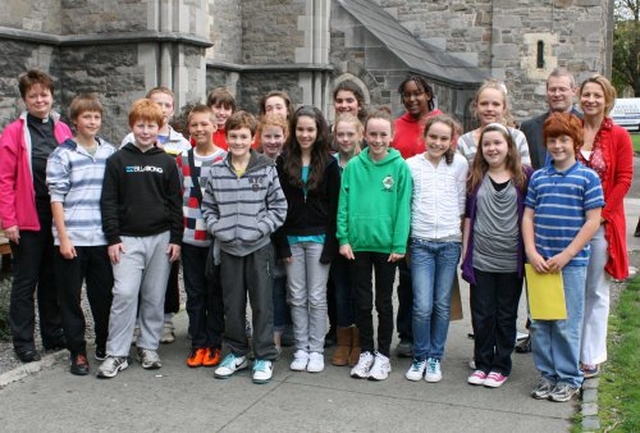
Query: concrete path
(176, 398)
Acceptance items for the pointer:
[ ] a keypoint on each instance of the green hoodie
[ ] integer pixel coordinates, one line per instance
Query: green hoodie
(374, 211)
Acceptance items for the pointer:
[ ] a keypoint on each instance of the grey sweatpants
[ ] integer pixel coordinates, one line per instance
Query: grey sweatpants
(143, 271)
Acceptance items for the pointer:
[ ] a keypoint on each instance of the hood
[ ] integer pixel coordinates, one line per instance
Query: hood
(256, 162)
(130, 147)
(390, 158)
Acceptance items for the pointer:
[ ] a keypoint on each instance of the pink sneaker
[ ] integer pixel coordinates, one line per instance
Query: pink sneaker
(478, 377)
(495, 380)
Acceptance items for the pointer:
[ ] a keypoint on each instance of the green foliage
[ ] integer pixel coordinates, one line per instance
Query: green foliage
(626, 46)
(619, 393)
(635, 139)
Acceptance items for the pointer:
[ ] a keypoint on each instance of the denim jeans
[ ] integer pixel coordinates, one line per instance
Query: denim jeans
(307, 279)
(556, 343)
(433, 269)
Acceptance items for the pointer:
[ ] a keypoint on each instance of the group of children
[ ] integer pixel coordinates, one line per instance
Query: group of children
(292, 218)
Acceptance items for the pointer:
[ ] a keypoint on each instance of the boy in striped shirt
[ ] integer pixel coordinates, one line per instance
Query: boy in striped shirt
(562, 213)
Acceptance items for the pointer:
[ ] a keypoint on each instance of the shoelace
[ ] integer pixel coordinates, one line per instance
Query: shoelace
(230, 361)
(260, 365)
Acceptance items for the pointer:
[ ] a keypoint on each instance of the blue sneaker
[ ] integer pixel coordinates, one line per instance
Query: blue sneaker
(262, 371)
(229, 365)
(416, 371)
(434, 373)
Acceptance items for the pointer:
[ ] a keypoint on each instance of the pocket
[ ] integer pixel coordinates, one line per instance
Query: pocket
(371, 231)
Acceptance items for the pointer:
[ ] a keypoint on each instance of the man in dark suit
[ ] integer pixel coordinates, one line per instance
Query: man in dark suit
(561, 89)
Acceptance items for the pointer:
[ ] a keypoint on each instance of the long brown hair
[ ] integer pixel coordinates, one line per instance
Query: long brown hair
(319, 152)
(446, 120)
(479, 166)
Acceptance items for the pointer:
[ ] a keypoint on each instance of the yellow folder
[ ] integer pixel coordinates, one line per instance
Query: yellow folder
(545, 293)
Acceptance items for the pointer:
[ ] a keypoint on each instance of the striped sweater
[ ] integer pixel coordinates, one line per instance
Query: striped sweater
(74, 178)
(195, 230)
(243, 211)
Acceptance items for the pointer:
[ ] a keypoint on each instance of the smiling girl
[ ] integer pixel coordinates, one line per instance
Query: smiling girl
(495, 204)
(310, 179)
(439, 176)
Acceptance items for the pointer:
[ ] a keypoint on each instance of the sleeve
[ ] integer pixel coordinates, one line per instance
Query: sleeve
(330, 249)
(9, 143)
(342, 219)
(109, 202)
(403, 214)
(622, 151)
(58, 175)
(461, 184)
(210, 208)
(530, 199)
(279, 237)
(276, 206)
(522, 145)
(593, 197)
(174, 202)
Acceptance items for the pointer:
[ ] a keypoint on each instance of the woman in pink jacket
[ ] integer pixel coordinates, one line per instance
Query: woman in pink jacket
(25, 212)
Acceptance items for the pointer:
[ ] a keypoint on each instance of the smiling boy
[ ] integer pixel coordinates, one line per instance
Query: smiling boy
(142, 220)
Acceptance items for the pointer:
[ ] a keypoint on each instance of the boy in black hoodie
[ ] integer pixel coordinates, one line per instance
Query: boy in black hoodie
(142, 221)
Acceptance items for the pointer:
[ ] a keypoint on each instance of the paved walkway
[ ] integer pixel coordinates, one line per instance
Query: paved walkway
(176, 398)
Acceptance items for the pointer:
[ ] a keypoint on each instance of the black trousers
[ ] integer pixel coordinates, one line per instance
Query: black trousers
(494, 311)
(33, 267)
(93, 266)
(404, 320)
(364, 294)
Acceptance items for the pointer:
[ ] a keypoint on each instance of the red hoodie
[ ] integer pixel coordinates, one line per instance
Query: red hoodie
(407, 137)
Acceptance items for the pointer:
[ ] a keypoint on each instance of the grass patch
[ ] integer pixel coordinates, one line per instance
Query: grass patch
(635, 139)
(619, 390)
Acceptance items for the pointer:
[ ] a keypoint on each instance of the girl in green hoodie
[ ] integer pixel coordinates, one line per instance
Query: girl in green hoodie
(373, 227)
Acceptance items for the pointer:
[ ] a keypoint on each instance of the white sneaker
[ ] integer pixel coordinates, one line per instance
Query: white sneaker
(381, 368)
(300, 361)
(229, 365)
(316, 362)
(416, 371)
(361, 369)
(434, 373)
(168, 335)
(262, 371)
(148, 358)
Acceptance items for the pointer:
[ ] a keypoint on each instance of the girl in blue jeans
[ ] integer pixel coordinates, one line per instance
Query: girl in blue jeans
(437, 206)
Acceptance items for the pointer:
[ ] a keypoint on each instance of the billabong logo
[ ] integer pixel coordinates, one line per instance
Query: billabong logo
(143, 169)
(388, 183)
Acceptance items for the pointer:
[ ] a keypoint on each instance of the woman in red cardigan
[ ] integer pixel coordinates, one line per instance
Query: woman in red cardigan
(607, 149)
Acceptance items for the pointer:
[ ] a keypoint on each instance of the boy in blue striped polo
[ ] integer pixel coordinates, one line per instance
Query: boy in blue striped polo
(562, 213)
(242, 206)
(75, 171)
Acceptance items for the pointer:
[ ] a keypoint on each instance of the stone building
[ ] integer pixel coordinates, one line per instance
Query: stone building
(120, 48)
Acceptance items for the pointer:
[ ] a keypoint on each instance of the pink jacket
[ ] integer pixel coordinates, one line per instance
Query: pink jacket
(17, 194)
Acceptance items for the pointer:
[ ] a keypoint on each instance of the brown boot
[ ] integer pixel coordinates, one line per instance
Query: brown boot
(354, 355)
(341, 355)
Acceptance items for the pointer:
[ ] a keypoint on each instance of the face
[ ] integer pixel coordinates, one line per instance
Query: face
(240, 141)
(438, 140)
(201, 128)
(272, 139)
(346, 102)
(88, 123)
(494, 148)
(347, 136)
(221, 114)
(166, 104)
(415, 99)
(306, 132)
(378, 135)
(276, 105)
(592, 99)
(560, 93)
(562, 151)
(145, 133)
(490, 106)
(38, 100)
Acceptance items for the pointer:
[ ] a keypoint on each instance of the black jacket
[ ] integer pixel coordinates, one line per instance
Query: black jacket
(141, 195)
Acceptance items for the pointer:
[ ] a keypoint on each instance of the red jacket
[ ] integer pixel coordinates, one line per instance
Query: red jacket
(17, 194)
(407, 134)
(617, 152)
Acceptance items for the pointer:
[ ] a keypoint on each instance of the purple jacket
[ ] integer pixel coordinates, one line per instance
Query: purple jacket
(470, 212)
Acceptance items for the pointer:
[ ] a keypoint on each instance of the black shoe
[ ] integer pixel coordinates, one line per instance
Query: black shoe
(79, 365)
(100, 354)
(524, 346)
(59, 343)
(330, 339)
(27, 354)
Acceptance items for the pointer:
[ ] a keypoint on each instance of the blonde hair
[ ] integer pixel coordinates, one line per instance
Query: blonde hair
(500, 87)
(608, 90)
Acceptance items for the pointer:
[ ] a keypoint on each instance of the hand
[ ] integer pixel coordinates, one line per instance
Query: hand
(287, 260)
(114, 252)
(346, 252)
(539, 263)
(173, 250)
(13, 234)
(559, 261)
(394, 257)
(67, 250)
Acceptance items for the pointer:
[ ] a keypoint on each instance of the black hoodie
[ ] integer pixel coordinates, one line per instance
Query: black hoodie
(141, 195)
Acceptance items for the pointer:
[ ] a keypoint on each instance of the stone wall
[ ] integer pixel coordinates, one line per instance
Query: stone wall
(225, 30)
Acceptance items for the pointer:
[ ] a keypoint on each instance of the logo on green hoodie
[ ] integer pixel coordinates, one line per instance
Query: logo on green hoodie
(388, 183)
